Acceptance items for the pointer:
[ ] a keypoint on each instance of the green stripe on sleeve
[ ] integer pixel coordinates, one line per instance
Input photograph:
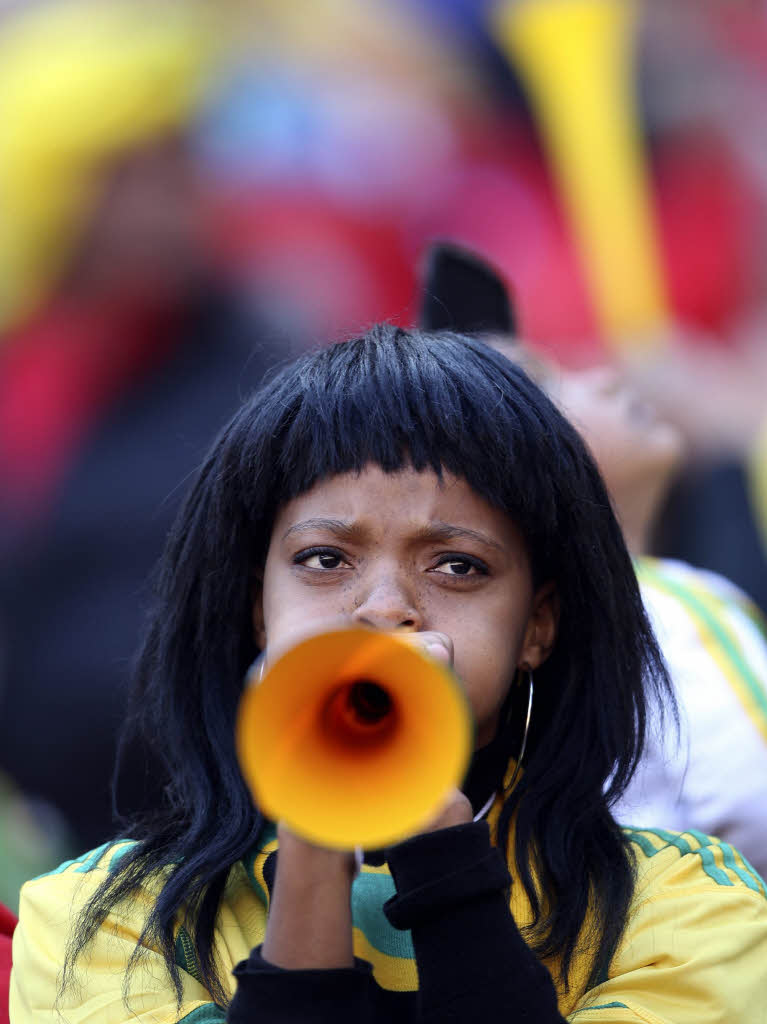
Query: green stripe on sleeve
(370, 891)
(117, 857)
(748, 875)
(84, 863)
(698, 603)
(92, 859)
(644, 844)
(600, 1006)
(743, 871)
(186, 958)
(207, 1014)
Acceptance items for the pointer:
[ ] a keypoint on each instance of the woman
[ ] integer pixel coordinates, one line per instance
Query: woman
(422, 484)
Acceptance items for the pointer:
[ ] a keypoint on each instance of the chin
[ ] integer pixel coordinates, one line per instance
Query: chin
(663, 461)
(672, 446)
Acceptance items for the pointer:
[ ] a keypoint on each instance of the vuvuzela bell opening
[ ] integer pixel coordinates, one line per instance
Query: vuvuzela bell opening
(360, 714)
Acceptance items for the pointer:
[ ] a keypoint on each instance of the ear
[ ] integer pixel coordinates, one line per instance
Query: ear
(541, 630)
(257, 611)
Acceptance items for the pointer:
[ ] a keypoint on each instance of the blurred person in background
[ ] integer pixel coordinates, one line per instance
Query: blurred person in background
(122, 348)
(706, 92)
(711, 775)
(715, 514)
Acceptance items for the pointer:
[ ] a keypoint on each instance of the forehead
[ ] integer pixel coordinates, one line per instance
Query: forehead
(537, 366)
(404, 501)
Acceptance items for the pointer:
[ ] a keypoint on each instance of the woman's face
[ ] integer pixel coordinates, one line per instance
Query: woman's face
(635, 449)
(630, 442)
(407, 552)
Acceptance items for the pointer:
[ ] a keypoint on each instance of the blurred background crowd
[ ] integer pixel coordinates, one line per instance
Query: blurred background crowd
(192, 193)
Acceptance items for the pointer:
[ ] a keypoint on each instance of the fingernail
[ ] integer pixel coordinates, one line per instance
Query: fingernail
(437, 650)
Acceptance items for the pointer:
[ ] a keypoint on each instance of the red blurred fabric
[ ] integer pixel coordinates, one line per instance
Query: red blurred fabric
(57, 376)
(7, 925)
(336, 267)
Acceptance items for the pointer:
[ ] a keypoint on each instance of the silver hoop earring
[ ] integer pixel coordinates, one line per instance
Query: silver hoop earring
(523, 747)
(255, 673)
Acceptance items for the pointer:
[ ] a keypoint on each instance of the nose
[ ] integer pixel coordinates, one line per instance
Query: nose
(604, 379)
(387, 603)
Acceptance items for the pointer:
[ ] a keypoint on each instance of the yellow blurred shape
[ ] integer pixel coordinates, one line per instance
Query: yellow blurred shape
(81, 81)
(576, 59)
(756, 466)
(313, 760)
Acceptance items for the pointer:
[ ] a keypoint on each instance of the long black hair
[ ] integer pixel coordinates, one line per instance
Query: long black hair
(395, 398)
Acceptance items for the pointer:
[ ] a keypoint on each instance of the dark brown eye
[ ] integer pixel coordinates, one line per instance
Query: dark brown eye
(328, 561)
(320, 558)
(452, 565)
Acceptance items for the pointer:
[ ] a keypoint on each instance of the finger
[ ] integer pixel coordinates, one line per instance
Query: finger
(437, 645)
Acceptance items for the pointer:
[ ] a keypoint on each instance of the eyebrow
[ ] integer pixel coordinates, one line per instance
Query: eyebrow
(437, 531)
(440, 531)
(337, 526)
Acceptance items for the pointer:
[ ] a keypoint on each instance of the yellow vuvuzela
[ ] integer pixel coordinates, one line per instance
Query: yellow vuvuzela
(575, 58)
(353, 738)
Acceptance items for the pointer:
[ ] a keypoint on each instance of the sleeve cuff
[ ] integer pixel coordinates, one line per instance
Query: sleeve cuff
(265, 991)
(443, 869)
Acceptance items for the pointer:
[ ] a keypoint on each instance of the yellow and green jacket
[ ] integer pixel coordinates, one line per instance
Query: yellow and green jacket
(694, 950)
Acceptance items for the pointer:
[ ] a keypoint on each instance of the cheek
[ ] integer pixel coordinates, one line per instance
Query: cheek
(486, 661)
(615, 455)
(280, 602)
(291, 609)
(606, 434)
